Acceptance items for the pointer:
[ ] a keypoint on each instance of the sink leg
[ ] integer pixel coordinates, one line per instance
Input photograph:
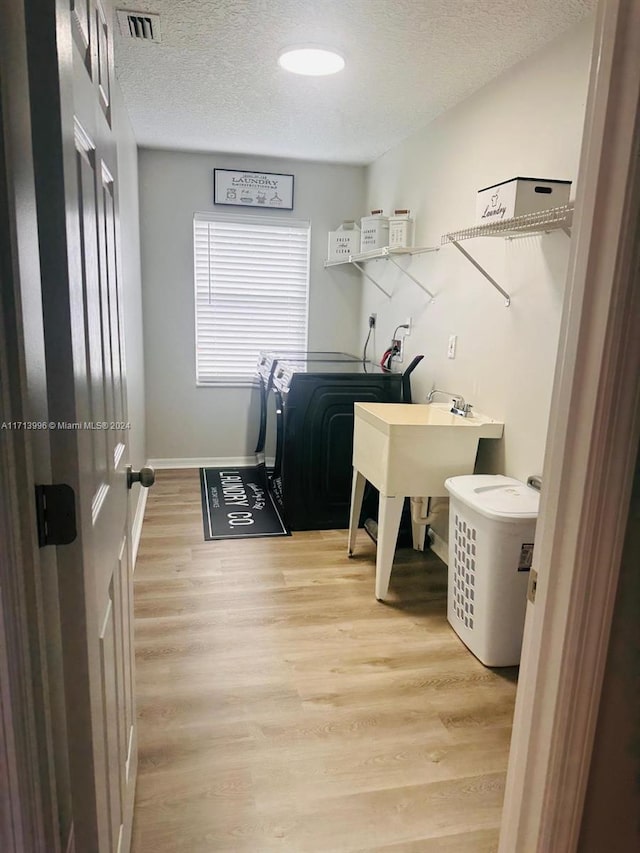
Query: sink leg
(418, 532)
(357, 493)
(388, 525)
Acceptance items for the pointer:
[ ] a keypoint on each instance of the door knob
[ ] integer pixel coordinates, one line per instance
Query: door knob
(145, 476)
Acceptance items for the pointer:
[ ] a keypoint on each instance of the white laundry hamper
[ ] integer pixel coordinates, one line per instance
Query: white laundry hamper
(492, 522)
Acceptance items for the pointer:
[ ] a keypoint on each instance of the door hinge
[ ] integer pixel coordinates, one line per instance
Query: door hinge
(56, 514)
(533, 585)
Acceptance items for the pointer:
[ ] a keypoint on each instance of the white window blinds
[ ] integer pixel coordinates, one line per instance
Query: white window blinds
(251, 293)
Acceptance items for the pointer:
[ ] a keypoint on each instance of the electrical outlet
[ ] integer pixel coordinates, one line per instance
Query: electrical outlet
(451, 351)
(398, 344)
(372, 320)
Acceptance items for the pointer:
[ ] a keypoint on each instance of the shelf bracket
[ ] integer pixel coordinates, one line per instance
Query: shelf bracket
(394, 260)
(359, 266)
(565, 230)
(492, 281)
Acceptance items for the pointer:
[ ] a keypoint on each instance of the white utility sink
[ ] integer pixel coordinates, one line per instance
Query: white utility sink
(406, 450)
(414, 448)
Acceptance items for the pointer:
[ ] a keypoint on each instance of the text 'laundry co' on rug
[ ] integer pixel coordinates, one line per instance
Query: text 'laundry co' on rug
(237, 504)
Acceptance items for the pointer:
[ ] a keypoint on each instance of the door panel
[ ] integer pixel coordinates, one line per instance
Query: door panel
(126, 688)
(81, 27)
(104, 64)
(110, 713)
(116, 325)
(106, 287)
(130, 755)
(119, 677)
(93, 325)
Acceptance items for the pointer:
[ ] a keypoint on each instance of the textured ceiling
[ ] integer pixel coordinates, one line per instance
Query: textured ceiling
(213, 84)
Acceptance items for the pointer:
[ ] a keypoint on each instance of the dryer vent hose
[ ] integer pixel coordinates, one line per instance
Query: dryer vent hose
(406, 379)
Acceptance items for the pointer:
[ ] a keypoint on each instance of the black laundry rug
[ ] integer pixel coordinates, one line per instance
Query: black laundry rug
(237, 504)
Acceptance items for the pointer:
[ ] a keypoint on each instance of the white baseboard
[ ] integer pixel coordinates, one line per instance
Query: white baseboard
(136, 527)
(439, 547)
(205, 462)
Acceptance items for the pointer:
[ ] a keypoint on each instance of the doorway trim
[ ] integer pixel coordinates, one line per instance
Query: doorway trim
(28, 806)
(594, 432)
(36, 820)
(593, 439)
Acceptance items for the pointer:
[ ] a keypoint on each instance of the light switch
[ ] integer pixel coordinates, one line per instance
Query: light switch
(451, 351)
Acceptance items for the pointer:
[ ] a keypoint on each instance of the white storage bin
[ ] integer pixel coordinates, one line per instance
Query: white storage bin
(343, 242)
(518, 196)
(400, 230)
(492, 522)
(374, 231)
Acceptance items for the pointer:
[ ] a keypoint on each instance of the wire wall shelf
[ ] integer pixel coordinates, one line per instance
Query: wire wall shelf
(542, 222)
(387, 253)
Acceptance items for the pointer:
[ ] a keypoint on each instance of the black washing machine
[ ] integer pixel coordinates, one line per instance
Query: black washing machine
(267, 363)
(313, 471)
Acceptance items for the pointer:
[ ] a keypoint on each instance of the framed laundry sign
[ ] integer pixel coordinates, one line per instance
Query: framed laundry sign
(252, 189)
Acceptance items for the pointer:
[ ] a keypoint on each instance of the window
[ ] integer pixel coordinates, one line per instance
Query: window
(251, 293)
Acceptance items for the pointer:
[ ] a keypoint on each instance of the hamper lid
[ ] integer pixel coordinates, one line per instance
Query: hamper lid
(495, 496)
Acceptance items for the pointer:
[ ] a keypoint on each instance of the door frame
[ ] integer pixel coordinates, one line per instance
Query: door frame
(29, 818)
(589, 464)
(24, 788)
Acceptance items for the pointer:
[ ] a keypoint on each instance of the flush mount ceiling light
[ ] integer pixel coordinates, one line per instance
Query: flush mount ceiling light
(311, 61)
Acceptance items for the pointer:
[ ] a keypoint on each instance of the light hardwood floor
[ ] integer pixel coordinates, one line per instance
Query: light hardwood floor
(282, 708)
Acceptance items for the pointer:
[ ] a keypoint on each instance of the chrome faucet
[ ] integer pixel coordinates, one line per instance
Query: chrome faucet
(458, 405)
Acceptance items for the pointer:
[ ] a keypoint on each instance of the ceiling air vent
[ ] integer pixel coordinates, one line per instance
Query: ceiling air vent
(141, 26)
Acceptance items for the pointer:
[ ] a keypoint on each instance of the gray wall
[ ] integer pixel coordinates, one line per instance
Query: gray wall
(184, 421)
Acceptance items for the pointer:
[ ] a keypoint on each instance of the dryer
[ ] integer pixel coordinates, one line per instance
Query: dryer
(314, 423)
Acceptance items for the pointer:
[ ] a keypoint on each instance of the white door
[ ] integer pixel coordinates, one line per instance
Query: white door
(70, 57)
